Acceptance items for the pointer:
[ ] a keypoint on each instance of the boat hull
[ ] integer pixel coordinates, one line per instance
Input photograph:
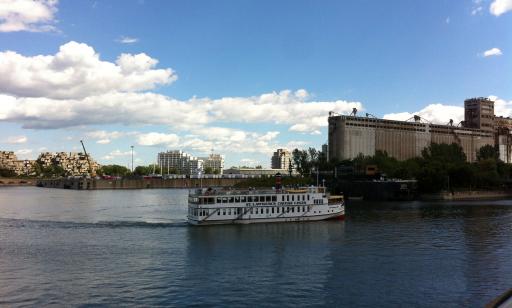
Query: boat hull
(337, 215)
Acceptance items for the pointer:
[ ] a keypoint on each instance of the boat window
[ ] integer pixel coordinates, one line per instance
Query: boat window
(303, 197)
(243, 199)
(304, 208)
(231, 199)
(218, 212)
(282, 197)
(224, 212)
(287, 197)
(293, 198)
(218, 200)
(272, 210)
(308, 197)
(274, 198)
(237, 199)
(293, 209)
(268, 199)
(249, 199)
(267, 210)
(229, 211)
(251, 211)
(225, 200)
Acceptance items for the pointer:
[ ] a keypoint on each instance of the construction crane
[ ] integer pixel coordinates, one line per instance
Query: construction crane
(91, 173)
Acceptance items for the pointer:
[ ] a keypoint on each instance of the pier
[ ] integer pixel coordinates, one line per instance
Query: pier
(95, 184)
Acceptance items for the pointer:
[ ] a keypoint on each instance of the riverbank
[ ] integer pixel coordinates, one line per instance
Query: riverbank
(466, 195)
(17, 182)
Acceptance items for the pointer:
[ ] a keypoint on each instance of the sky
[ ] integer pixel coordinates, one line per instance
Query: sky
(239, 78)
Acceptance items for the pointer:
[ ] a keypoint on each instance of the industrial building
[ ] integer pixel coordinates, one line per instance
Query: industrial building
(352, 135)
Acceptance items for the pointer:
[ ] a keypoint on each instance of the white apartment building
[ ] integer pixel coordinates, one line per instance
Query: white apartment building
(281, 159)
(214, 162)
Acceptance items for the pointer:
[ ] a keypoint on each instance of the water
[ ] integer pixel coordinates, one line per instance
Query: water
(62, 247)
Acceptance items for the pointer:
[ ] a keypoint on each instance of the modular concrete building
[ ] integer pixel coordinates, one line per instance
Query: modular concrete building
(351, 135)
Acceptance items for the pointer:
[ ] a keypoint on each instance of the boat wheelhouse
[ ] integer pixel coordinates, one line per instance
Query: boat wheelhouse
(207, 206)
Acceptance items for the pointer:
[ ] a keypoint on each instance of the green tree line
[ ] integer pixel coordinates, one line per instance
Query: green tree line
(440, 167)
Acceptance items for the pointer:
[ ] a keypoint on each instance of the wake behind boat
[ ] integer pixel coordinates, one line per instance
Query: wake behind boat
(209, 207)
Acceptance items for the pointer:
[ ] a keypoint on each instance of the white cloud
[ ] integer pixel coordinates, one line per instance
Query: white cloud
(158, 139)
(27, 15)
(104, 137)
(501, 107)
(249, 162)
(150, 108)
(499, 7)
(17, 139)
(476, 10)
(492, 52)
(441, 114)
(24, 153)
(127, 40)
(435, 113)
(76, 72)
(117, 153)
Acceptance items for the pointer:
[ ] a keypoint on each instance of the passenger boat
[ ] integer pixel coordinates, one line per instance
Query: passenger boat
(210, 207)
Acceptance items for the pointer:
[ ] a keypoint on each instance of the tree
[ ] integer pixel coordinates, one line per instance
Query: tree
(7, 173)
(208, 170)
(487, 152)
(114, 170)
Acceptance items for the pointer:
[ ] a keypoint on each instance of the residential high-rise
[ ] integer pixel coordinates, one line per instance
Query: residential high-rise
(281, 159)
(177, 161)
(214, 162)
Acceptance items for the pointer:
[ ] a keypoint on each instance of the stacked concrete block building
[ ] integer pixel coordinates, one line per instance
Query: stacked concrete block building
(9, 161)
(352, 135)
(74, 164)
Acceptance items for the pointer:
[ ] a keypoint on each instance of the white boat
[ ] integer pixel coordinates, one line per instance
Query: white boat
(210, 207)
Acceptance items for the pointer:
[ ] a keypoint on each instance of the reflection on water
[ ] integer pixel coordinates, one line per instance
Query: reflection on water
(60, 247)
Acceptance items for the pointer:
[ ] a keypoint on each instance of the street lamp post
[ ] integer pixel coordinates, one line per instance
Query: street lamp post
(132, 157)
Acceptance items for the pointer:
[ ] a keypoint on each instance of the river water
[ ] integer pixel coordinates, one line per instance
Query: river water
(134, 248)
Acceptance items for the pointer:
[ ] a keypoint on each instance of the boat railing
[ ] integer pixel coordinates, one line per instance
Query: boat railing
(213, 193)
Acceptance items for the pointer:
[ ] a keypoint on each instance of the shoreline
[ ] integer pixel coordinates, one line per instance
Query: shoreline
(10, 182)
(466, 195)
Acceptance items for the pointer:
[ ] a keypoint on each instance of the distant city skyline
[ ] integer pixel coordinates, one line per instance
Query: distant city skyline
(242, 78)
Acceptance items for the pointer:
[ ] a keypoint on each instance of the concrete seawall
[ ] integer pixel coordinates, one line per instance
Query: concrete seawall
(94, 184)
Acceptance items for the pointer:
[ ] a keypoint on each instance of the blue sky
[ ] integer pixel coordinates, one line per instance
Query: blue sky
(239, 77)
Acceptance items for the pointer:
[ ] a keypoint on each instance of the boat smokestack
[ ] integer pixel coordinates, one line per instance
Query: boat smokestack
(278, 181)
